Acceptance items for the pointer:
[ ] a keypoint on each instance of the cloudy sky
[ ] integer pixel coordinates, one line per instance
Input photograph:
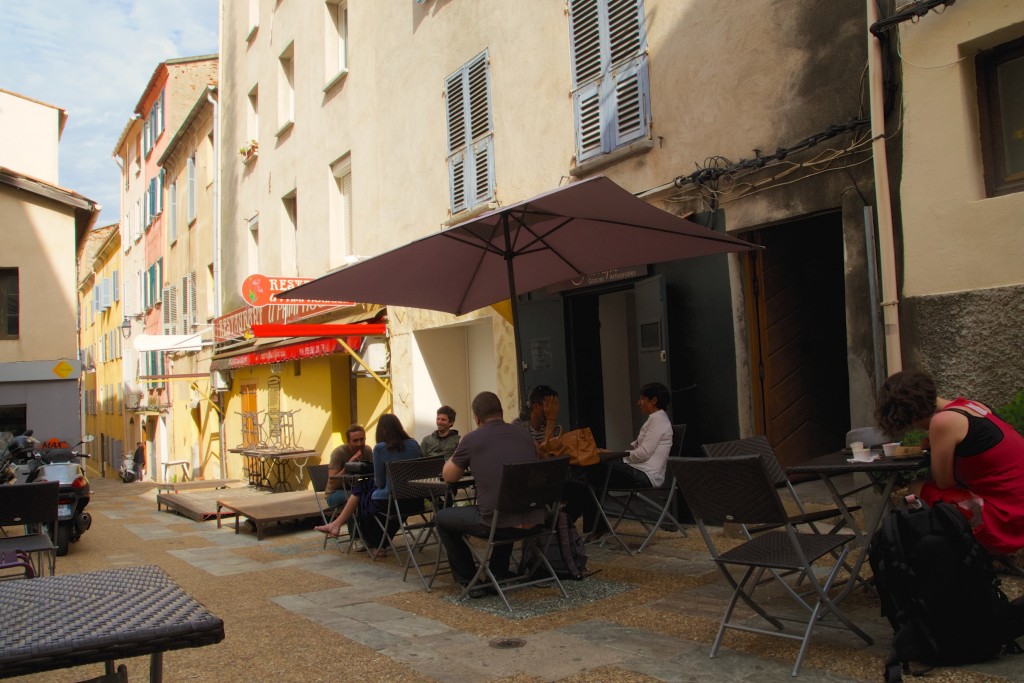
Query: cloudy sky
(93, 58)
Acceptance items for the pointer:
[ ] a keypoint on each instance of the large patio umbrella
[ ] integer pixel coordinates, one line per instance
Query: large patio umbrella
(584, 228)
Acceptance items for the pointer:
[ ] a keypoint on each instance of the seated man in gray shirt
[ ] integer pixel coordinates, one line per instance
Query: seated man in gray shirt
(444, 440)
(493, 444)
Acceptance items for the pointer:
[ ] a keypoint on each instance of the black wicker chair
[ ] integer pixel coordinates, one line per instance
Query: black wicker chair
(524, 487)
(34, 506)
(408, 515)
(740, 489)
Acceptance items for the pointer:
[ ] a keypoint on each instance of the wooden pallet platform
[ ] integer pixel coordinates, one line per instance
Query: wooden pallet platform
(199, 504)
(268, 508)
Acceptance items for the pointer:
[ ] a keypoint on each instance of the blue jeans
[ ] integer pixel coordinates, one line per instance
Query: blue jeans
(454, 522)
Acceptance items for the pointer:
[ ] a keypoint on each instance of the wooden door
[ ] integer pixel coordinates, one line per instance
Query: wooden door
(797, 314)
(250, 418)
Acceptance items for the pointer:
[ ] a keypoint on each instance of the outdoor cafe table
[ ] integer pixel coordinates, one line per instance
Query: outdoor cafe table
(56, 622)
(261, 463)
(883, 470)
(598, 496)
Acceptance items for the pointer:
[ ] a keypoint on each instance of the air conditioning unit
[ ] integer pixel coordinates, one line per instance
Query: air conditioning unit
(220, 380)
(375, 355)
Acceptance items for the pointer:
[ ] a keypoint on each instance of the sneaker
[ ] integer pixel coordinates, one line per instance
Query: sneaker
(358, 546)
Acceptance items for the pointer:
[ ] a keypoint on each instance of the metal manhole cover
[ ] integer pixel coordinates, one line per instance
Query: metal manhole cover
(507, 643)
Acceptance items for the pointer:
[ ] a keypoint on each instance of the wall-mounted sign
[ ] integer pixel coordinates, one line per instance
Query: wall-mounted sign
(313, 349)
(260, 290)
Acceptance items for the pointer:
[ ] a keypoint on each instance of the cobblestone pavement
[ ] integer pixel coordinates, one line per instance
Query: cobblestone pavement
(294, 611)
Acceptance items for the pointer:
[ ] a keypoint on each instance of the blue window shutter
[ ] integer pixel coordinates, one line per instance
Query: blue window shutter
(470, 134)
(611, 96)
(116, 280)
(631, 102)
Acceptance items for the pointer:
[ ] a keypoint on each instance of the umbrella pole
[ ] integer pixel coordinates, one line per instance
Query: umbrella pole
(514, 300)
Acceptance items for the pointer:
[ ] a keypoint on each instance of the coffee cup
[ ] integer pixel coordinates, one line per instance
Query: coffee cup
(862, 455)
(890, 448)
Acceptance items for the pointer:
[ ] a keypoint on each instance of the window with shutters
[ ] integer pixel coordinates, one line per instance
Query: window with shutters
(470, 134)
(188, 303)
(170, 310)
(190, 189)
(340, 207)
(611, 100)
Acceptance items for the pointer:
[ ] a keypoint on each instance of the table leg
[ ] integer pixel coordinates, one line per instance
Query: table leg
(156, 667)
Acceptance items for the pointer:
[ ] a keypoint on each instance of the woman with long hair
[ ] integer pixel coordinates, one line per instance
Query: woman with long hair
(370, 496)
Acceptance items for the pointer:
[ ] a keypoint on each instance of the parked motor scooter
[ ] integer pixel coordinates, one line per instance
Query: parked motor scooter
(20, 459)
(127, 471)
(63, 465)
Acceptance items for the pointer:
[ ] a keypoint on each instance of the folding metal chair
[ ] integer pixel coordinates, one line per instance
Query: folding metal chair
(17, 560)
(318, 477)
(741, 489)
(34, 506)
(759, 446)
(524, 487)
(407, 504)
(652, 506)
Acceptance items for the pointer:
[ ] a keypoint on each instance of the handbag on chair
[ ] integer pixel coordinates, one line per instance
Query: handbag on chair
(578, 444)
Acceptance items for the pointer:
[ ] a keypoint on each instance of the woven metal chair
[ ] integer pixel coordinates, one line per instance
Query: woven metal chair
(35, 507)
(318, 477)
(524, 487)
(741, 489)
(407, 514)
(759, 446)
(652, 507)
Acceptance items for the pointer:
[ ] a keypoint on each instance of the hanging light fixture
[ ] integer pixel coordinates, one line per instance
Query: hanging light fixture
(126, 328)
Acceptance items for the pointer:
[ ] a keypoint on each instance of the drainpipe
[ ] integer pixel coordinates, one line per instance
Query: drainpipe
(886, 239)
(216, 256)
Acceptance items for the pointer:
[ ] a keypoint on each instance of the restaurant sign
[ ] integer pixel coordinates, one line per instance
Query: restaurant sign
(311, 349)
(261, 290)
(263, 309)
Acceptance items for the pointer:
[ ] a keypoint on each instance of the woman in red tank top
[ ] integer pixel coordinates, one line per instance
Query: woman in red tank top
(977, 459)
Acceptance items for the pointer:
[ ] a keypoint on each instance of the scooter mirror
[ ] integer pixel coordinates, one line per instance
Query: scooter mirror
(88, 438)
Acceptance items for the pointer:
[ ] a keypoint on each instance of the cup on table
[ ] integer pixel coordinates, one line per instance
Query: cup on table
(890, 448)
(862, 455)
(857, 446)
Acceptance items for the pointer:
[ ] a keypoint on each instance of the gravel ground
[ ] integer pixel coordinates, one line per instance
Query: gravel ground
(267, 643)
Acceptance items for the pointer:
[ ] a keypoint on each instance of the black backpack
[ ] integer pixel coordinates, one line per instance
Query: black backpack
(566, 552)
(939, 591)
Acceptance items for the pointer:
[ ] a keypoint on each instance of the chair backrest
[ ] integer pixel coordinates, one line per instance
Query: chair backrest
(531, 485)
(401, 472)
(318, 476)
(737, 489)
(678, 433)
(34, 503)
(752, 445)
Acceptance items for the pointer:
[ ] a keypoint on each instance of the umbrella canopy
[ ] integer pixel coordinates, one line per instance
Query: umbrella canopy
(584, 228)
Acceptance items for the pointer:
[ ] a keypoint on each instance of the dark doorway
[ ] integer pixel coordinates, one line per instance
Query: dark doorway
(13, 419)
(797, 313)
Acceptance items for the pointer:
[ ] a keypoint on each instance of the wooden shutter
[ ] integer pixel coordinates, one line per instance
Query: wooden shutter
(192, 299)
(115, 279)
(470, 134)
(170, 312)
(610, 79)
(186, 301)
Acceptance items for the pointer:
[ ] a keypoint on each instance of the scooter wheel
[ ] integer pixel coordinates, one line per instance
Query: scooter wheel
(63, 539)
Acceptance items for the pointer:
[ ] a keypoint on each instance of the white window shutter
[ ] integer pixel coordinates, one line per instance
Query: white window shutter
(483, 170)
(186, 299)
(116, 280)
(626, 35)
(457, 182)
(192, 300)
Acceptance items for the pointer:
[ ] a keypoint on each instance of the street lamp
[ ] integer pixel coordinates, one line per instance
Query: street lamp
(126, 328)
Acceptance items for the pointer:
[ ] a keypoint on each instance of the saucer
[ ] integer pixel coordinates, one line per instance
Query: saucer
(874, 457)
